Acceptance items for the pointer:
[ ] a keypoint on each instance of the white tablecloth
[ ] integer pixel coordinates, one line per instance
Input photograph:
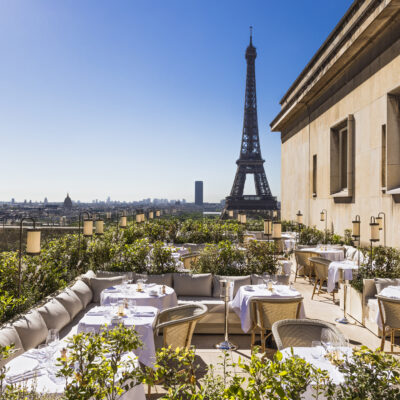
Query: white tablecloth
(392, 292)
(160, 301)
(329, 254)
(143, 325)
(323, 363)
(44, 383)
(241, 302)
(334, 272)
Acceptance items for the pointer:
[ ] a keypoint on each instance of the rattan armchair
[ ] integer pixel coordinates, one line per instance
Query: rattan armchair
(389, 310)
(301, 332)
(321, 266)
(177, 324)
(189, 260)
(302, 260)
(266, 311)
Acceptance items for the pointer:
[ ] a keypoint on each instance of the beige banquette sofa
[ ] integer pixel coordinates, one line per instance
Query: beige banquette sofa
(64, 309)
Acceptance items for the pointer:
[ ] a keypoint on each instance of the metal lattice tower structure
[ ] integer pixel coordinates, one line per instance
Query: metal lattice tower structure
(250, 161)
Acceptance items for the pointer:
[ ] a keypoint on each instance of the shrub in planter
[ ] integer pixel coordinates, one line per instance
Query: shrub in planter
(311, 236)
(136, 255)
(221, 259)
(260, 257)
(161, 260)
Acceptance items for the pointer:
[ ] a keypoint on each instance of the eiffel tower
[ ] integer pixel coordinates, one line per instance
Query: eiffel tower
(250, 160)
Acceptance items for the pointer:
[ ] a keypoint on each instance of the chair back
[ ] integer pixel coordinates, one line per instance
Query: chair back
(266, 311)
(302, 258)
(189, 260)
(301, 332)
(389, 310)
(178, 323)
(321, 266)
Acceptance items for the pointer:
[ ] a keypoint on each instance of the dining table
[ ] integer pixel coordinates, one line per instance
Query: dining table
(330, 253)
(148, 295)
(241, 302)
(338, 270)
(142, 318)
(30, 370)
(310, 355)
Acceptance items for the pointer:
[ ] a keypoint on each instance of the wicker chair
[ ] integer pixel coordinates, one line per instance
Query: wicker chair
(301, 332)
(178, 323)
(321, 266)
(302, 260)
(389, 310)
(266, 311)
(189, 260)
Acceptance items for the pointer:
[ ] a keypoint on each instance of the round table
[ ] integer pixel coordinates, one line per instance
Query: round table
(331, 254)
(159, 301)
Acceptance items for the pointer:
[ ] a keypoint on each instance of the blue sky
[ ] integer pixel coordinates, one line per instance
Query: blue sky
(135, 99)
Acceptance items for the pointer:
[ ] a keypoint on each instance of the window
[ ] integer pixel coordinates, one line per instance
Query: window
(392, 133)
(383, 158)
(342, 159)
(314, 175)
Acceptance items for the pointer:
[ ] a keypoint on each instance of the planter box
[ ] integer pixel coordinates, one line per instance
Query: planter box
(354, 303)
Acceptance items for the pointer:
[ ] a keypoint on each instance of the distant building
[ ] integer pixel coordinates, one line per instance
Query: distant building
(68, 202)
(45, 200)
(198, 193)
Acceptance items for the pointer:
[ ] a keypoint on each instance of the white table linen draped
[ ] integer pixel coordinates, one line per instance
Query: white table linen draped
(330, 254)
(334, 272)
(241, 302)
(145, 298)
(143, 319)
(44, 381)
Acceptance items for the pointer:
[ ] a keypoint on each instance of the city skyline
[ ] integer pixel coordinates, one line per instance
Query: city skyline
(137, 101)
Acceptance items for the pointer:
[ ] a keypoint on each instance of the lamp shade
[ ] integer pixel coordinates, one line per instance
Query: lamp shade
(122, 222)
(356, 226)
(277, 230)
(267, 227)
(379, 220)
(88, 227)
(239, 217)
(138, 218)
(299, 217)
(274, 213)
(322, 215)
(33, 242)
(151, 214)
(243, 219)
(230, 213)
(142, 217)
(158, 213)
(374, 227)
(99, 224)
(108, 215)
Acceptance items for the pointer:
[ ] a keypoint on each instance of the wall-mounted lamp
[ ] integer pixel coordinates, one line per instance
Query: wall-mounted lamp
(299, 218)
(324, 217)
(381, 220)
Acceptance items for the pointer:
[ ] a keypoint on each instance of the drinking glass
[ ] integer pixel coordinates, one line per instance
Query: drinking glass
(113, 303)
(132, 306)
(317, 350)
(43, 355)
(145, 277)
(327, 338)
(52, 337)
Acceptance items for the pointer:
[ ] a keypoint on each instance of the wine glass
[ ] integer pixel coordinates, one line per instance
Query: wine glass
(316, 349)
(113, 302)
(145, 277)
(327, 338)
(52, 339)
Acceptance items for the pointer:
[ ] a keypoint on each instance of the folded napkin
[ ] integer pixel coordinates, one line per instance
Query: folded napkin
(112, 289)
(143, 314)
(24, 376)
(98, 311)
(151, 285)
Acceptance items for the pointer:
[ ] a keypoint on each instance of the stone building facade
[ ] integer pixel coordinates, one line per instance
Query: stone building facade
(340, 126)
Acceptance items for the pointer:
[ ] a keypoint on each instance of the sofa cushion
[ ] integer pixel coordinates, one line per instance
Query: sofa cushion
(70, 301)
(54, 314)
(238, 282)
(213, 304)
(83, 291)
(99, 284)
(87, 276)
(382, 283)
(32, 329)
(193, 285)
(161, 279)
(8, 336)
